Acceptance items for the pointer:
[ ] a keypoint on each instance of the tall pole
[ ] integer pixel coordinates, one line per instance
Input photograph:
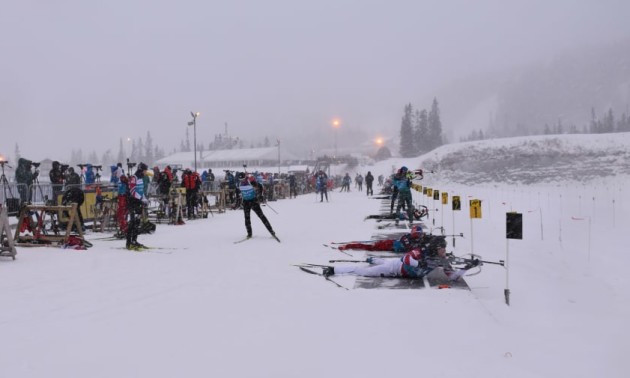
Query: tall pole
(278, 156)
(336, 123)
(194, 125)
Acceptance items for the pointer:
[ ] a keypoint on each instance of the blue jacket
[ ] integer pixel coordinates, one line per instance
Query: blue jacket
(89, 174)
(114, 178)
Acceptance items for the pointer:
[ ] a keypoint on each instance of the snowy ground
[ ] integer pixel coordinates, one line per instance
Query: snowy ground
(212, 308)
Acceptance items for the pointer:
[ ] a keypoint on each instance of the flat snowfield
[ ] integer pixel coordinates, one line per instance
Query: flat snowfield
(206, 307)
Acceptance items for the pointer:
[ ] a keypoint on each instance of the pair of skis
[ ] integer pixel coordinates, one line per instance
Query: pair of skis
(308, 268)
(163, 250)
(251, 237)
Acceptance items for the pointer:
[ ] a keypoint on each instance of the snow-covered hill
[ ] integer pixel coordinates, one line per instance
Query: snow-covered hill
(532, 160)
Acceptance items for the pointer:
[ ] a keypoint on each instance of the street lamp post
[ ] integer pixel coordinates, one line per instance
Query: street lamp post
(194, 125)
(278, 156)
(336, 124)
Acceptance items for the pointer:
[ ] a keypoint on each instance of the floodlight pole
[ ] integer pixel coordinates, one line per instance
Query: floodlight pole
(194, 125)
(278, 156)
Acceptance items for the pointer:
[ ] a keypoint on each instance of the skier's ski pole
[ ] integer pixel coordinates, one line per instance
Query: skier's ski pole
(271, 208)
(352, 261)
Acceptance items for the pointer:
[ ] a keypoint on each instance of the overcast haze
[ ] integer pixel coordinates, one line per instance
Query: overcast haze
(78, 73)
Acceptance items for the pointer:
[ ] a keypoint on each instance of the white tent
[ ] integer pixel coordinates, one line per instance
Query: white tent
(267, 156)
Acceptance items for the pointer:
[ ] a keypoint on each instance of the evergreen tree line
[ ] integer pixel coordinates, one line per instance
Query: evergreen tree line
(137, 150)
(420, 131)
(597, 125)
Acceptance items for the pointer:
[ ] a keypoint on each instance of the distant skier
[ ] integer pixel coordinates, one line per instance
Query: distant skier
(250, 192)
(369, 180)
(322, 185)
(292, 186)
(345, 183)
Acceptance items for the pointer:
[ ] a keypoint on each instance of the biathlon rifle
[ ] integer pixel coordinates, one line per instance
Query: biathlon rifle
(456, 260)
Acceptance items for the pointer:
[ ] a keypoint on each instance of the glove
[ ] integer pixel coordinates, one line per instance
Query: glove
(145, 201)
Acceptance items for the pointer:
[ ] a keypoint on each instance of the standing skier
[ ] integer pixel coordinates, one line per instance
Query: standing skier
(345, 183)
(121, 212)
(250, 192)
(322, 185)
(136, 200)
(369, 179)
(402, 182)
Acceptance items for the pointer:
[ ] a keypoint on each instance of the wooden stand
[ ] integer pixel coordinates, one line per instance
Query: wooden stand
(103, 216)
(7, 246)
(39, 234)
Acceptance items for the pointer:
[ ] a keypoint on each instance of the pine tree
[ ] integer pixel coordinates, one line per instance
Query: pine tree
(134, 152)
(157, 153)
(107, 158)
(93, 158)
(140, 151)
(187, 141)
(608, 125)
(121, 152)
(421, 133)
(148, 150)
(79, 157)
(267, 143)
(435, 126)
(593, 127)
(406, 133)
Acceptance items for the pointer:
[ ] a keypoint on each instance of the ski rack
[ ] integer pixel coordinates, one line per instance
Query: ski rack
(38, 230)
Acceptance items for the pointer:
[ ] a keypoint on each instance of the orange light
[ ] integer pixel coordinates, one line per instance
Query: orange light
(336, 123)
(379, 141)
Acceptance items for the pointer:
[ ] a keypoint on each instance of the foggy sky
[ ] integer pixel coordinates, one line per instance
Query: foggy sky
(86, 73)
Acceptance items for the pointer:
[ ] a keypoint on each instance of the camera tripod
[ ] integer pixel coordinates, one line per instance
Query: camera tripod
(41, 192)
(5, 183)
